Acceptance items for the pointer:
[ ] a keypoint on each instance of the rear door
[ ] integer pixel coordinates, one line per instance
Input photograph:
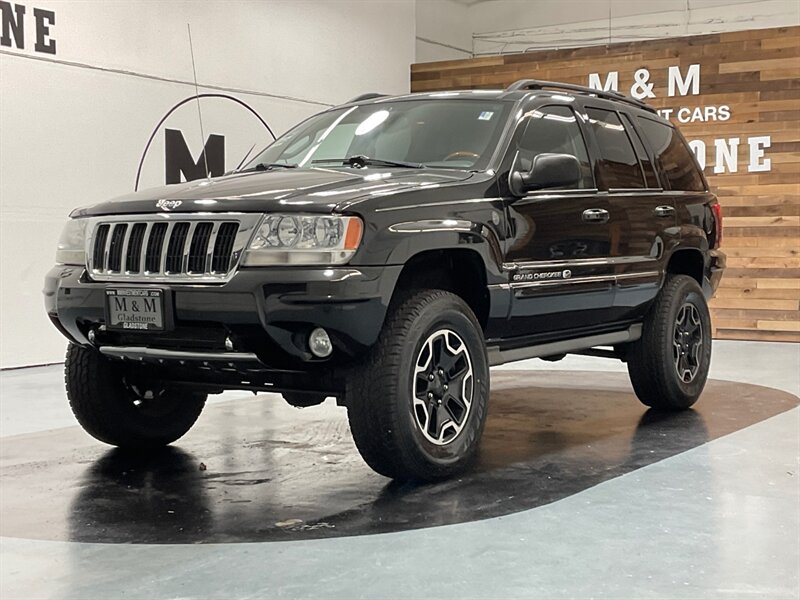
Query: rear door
(645, 218)
(684, 185)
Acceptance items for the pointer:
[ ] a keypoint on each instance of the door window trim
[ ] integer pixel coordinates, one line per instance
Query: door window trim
(523, 122)
(590, 105)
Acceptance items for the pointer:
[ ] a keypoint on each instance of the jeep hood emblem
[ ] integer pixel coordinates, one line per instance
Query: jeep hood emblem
(168, 204)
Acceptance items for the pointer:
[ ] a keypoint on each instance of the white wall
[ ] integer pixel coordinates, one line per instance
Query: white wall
(444, 31)
(490, 27)
(73, 125)
(514, 26)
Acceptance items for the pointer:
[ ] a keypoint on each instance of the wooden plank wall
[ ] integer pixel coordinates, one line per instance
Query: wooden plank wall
(756, 74)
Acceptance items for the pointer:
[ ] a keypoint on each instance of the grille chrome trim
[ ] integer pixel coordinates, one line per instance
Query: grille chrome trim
(101, 230)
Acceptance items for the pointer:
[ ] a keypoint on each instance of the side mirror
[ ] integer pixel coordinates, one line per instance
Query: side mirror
(547, 171)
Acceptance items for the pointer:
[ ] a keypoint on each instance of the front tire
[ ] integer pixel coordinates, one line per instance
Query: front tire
(120, 407)
(669, 364)
(418, 406)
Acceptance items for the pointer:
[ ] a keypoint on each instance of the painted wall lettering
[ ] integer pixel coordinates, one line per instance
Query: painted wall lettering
(14, 30)
(44, 20)
(726, 153)
(687, 83)
(178, 159)
(678, 82)
(611, 83)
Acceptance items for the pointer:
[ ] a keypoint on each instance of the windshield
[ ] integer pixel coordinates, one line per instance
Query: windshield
(459, 134)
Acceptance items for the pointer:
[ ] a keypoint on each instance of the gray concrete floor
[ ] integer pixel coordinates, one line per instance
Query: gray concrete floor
(719, 521)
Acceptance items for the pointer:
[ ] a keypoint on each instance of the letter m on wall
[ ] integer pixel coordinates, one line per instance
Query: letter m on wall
(178, 160)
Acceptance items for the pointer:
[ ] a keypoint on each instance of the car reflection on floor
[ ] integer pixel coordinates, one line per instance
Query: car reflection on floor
(259, 470)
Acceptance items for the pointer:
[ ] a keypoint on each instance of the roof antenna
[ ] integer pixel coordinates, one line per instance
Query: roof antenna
(197, 97)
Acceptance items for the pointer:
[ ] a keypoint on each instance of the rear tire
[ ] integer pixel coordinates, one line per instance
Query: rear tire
(668, 365)
(418, 406)
(116, 406)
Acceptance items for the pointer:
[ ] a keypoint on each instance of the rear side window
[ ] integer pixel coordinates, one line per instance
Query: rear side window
(554, 129)
(677, 161)
(650, 178)
(618, 166)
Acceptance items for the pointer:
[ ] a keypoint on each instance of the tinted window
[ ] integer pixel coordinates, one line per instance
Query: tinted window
(459, 134)
(554, 129)
(618, 166)
(650, 178)
(677, 161)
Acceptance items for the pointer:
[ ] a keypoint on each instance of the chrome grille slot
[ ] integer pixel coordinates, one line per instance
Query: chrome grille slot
(98, 254)
(177, 240)
(220, 261)
(134, 254)
(152, 260)
(168, 248)
(199, 247)
(115, 248)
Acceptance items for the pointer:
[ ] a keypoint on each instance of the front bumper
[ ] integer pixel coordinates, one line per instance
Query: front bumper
(266, 312)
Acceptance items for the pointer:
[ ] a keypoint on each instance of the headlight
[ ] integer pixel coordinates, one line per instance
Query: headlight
(72, 243)
(304, 240)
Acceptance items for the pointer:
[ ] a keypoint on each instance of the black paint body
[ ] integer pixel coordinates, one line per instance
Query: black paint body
(606, 272)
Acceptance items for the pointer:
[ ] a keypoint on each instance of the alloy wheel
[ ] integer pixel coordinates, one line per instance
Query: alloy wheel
(443, 387)
(688, 342)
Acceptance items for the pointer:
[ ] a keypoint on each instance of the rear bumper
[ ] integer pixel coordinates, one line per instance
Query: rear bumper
(716, 267)
(267, 313)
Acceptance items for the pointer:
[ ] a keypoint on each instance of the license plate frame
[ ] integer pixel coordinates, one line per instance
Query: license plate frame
(136, 309)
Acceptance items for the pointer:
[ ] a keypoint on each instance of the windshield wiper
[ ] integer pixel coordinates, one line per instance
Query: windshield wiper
(268, 166)
(359, 161)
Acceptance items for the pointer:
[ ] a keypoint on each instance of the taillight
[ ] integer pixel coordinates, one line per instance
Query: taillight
(717, 209)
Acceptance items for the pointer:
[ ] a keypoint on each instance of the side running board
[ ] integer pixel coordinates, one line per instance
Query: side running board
(499, 357)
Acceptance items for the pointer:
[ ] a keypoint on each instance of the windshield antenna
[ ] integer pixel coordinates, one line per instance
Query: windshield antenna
(197, 97)
(246, 156)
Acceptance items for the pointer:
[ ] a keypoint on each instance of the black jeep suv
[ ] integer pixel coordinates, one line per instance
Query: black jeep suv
(387, 252)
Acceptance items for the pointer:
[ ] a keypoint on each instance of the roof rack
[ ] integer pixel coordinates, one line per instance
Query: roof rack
(363, 97)
(535, 84)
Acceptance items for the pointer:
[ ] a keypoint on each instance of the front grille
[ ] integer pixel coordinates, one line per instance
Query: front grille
(168, 248)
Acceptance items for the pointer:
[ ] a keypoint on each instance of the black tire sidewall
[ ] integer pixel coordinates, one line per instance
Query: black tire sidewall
(444, 313)
(680, 393)
(103, 404)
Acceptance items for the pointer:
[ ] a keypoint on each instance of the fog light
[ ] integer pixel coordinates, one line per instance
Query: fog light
(228, 344)
(320, 343)
(92, 336)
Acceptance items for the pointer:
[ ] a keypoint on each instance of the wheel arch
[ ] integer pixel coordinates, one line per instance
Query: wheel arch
(461, 271)
(687, 261)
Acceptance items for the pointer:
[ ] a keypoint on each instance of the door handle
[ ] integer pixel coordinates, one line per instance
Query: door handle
(664, 211)
(595, 215)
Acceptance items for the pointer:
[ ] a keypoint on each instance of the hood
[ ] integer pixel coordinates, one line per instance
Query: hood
(281, 190)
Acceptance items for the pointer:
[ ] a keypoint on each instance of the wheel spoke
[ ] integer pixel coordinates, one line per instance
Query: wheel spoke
(422, 385)
(449, 359)
(456, 408)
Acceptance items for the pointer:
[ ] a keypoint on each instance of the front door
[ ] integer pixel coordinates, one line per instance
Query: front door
(564, 242)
